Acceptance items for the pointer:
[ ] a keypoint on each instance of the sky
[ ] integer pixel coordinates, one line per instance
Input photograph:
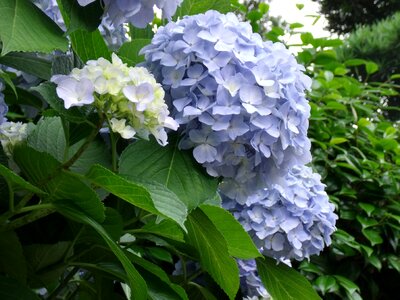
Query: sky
(290, 13)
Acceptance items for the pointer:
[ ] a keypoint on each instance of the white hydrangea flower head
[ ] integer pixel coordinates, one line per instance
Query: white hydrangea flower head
(11, 134)
(129, 96)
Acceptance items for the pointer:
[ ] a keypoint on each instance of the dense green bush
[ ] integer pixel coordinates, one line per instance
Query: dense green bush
(379, 42)
(357, 152)
(344, 16)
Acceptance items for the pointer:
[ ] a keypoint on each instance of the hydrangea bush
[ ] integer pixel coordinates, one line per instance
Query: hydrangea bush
(124, 163)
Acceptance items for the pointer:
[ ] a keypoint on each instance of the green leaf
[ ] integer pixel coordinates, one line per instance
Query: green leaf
(12, 289)
(45, 171)
(49, 136)
(283, 282)
(96, 153)
(307, 38)
(136, 282)
(48, 91)
(12, 259)
(87, 17)
(373, 236)
(326, 284)
(89, 45)
(7, 79)
(213, 252)
(347, 284)
(198, 292)
(296, 25)
(19, 181)
(149, 196)
(129, 52)
(194, 7)
(371, 67)
(158, 281)
(165, 228)
(29, 63)
(24, 27)
(239, 243)
(46, 262)
(337, 140)
(174, 168)
(159, 253)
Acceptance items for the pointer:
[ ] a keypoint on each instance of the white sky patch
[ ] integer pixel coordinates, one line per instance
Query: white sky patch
(290, 13)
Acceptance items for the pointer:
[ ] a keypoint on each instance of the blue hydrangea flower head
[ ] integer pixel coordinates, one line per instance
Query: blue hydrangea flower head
(241, 101)
(292, 219)
(114, 35)
(250, 283)
(3, 105)
(138, 12)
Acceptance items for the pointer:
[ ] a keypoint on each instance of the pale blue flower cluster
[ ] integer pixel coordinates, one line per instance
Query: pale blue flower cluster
(290, 219)
(3, 105)
(241, 100)
(138, 12)
(250, 283)
(51, 9)
(242, 107)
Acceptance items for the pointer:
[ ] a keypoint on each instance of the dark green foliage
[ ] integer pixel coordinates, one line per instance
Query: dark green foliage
(344, 16)
(379, 43)
(357, 152)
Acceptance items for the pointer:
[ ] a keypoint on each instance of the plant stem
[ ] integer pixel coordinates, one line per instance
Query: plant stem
(10, 196)
(35, 207)
(85, 145)
(114, 154)
(29, 218)
(63, 284)
(17, 208)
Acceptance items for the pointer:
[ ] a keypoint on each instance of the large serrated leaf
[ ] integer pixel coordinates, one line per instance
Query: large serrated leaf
(150, 196)
(19, 181)
(213, 252)
(129, 52)
(239, 243)
(135, 281)
(43, 170)
(283, 282)
(194, 7)
(30, 63)
(89, 45)
(24, 27)
(11, 251)
(168, 165)
(49, 136)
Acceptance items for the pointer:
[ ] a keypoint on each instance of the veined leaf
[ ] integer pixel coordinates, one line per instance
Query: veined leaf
(239, 243)
(194, 7)
(149, 196)
(213, 252)
(24, 27)
(173, 168)
(89, 45)
(19, 181)
(283, 282)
